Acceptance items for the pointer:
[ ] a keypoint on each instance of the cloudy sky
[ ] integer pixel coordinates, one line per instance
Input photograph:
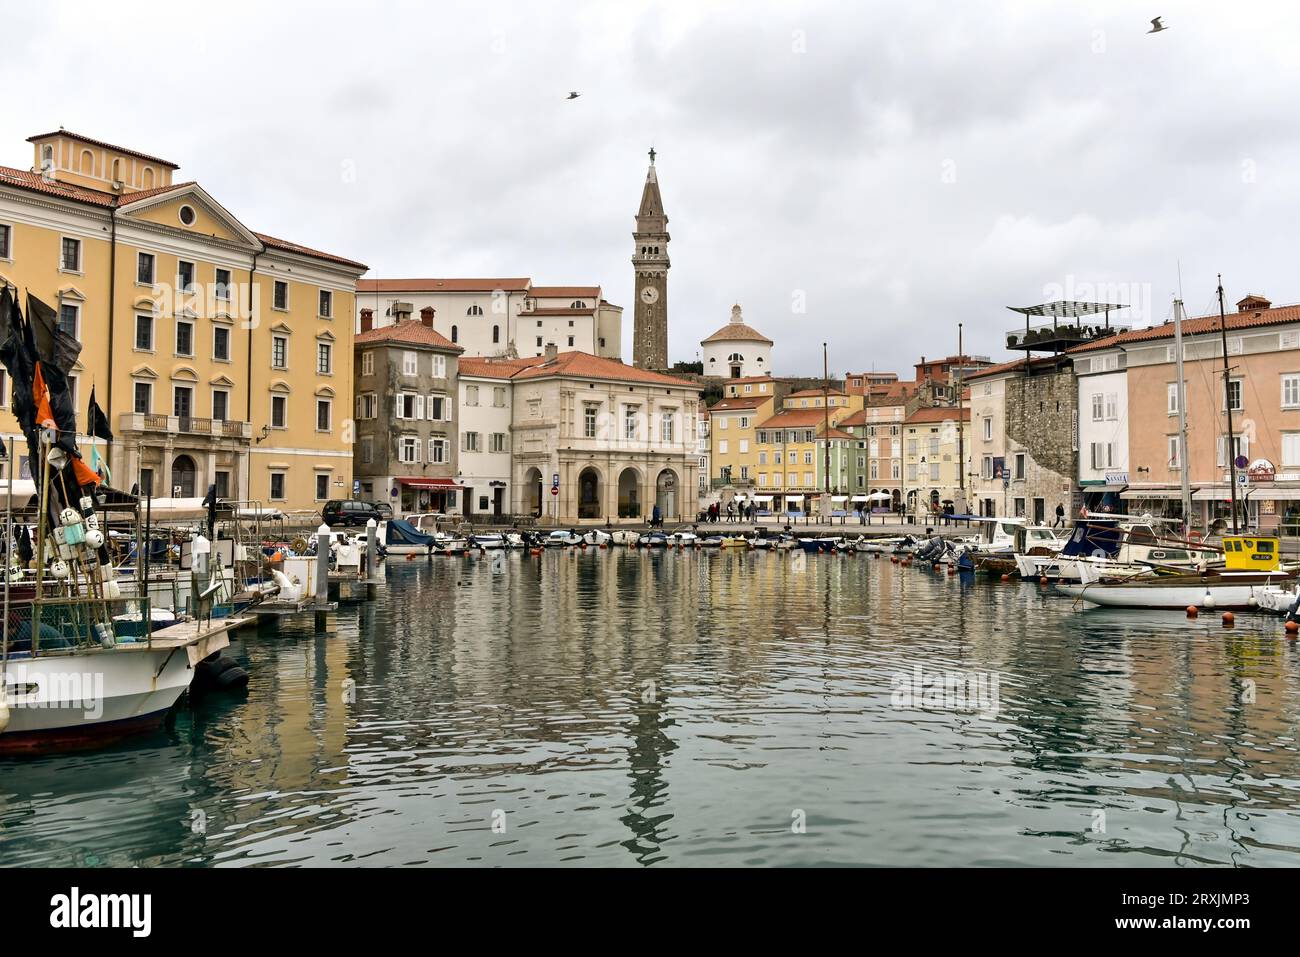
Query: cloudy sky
(865, 174)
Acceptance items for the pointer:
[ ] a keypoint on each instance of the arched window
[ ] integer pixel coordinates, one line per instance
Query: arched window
(87, 161)
(735, 357)
(117, 171)
(147, 179)
(496, 333)
(455, 334)
(475, 310)
(577, 304)
(47, 156)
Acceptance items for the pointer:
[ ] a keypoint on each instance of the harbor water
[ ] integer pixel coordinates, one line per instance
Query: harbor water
(631, 708)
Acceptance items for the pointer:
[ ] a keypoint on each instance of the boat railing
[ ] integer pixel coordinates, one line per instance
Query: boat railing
(54, 626)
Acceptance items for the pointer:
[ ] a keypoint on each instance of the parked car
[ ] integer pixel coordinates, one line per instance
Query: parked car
(385, 510)
(347, 511)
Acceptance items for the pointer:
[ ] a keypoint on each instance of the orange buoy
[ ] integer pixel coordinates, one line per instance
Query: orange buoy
(1192, 611)
(893, 559)
(1042, 580)
(604, 545)
(1228, 619)
(1292, 628)
(411, 557)
(1006, 578)
(936, 567)
(537, 551)
(952, 569)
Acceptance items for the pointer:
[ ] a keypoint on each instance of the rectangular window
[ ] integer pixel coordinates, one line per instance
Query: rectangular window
(280, 294)
(70, 258)
(589, 421)
(408, 450)
(367, 450)
(630, 430)
(1020, 467)
(469, 441)
(367, 363)
(499, 397)
(323, 415)
(722, 447)
(1098, 407)
(324, 358)
(439, 370)
(438, 451)
(221, 343)
(322, 486)
(146, 481)
(220, 404)
(1171, 405)
(410, 363)
(221, 479)
(807, 458)
(498, 442)
(182, 402)
(184, 338)
(988, 429)
(144, 268)
(1291, 449)
(68, 318)
(1234, 395)
(144, 333)
(1112, 406)
(221, 287)
(471, 395)
(143, 399)
(277, 486)
(326, 304)
(744, 421)
(367, 405)
(185, 276)
(279, 352)
(436, 407)
(1173, 452)
(668, 432)
(279, 412)
(5, 241)
(1291, 391)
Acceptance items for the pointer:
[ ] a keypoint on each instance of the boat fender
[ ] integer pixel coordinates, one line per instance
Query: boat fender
(1291, 628)
(1208, 601)
(59, 569)
(1228, 619)
(1192, 611)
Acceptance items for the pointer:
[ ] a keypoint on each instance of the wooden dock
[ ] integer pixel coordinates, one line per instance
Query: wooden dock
(198, 638)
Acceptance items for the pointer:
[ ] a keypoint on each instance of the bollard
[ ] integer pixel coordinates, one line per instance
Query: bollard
(372, 549)
(323, 564)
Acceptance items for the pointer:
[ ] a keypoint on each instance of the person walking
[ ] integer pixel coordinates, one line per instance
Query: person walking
(731, 511)
(1060, 516)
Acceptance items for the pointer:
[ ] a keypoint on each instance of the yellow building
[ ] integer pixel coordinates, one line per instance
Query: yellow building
(788, 468)
(220, 355)
(733, 452)
(934, 441)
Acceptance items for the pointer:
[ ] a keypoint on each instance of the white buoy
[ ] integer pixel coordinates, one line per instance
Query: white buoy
(1208, 600)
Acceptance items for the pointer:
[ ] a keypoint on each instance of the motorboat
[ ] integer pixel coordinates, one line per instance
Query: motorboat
(682, 539)
(653, 539)
(735, 541)
(622, 536)
(1252, 569)
(1110, 548)
(489, 540)
(562, 538)
(596, 536)
(828, 543)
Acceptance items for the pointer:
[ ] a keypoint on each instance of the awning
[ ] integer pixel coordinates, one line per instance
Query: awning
(1262, 493)
(1164, 491)
(861, 498)
(839, 498)
(763, 498)
(740, 498)
(436, 483)
(794, 498)
(1217, 493)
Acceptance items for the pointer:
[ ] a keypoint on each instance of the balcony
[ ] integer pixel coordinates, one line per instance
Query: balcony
(1072, 324)
(185, 425)
(718, 483)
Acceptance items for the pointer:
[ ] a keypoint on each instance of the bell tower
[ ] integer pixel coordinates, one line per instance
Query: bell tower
(650, 269)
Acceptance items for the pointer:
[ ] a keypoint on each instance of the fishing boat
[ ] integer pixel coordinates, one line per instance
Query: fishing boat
(1252, 567)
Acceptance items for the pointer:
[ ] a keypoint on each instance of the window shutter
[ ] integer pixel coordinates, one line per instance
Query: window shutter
(419, 407)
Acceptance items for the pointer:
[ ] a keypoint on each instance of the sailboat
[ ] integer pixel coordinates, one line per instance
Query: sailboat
(79, 663)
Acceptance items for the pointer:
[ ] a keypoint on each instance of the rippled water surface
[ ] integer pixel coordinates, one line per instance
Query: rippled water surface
(630, 708)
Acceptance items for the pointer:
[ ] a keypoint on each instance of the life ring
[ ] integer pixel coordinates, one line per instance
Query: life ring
(299, 544)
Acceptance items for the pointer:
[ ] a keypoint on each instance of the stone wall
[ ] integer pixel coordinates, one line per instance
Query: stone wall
(1040, 420)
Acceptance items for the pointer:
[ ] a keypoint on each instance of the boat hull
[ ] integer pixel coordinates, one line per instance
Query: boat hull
(1222, 595)
(61, 702)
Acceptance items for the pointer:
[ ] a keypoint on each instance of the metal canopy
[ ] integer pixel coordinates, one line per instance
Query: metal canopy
(1063, 309)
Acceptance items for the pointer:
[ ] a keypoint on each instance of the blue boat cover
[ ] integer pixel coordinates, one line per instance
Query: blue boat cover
(1093, 537)
(399, 532)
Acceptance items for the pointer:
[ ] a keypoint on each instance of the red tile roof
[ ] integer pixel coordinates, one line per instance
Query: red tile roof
(24, 179)
(1199, 326)
(408, 333)
(860, 418)
(285, 245)
(443, 285)
(813, 392)
(938, 413)
(737, 332)
(108, 146)
(558, 311)
(740, 402)
(585, 365)
(487, 368)
(835, 433)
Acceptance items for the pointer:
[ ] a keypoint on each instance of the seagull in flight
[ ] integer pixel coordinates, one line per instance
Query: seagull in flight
(1157, 26)
(573, 96)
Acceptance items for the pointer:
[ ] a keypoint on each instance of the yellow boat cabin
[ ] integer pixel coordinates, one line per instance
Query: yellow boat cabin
(1251, 553)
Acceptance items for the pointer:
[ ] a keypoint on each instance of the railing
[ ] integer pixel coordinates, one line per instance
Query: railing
(1061, 330)
(731, 483)
(69, 624)
(184, 425)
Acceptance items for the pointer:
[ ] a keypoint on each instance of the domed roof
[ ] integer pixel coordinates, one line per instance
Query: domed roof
(737, 331)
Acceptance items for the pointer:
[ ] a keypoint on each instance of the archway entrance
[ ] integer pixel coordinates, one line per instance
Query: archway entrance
(666, 494)
(589, 493)
(532, 492)
(184, 477)
(629, 495)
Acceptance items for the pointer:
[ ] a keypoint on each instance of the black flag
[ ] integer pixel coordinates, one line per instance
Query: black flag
(96, 421)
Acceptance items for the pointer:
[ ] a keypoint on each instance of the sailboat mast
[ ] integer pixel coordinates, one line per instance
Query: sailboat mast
(1184, 464)
(1227, 402)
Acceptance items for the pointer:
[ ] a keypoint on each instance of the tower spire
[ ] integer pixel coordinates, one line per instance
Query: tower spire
(650, 270)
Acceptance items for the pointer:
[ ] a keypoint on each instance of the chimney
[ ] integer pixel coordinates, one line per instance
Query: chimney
(551, 351)
(426, 316)
(367, 320)
(1253, 304)
(401, 312)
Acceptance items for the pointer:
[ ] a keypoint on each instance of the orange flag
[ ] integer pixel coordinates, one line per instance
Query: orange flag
(44, 414)
(85, 476)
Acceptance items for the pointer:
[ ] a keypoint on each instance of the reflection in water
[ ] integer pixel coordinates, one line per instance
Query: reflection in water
(622, 707)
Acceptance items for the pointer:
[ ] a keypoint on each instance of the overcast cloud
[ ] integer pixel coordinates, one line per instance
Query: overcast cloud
(900, 167)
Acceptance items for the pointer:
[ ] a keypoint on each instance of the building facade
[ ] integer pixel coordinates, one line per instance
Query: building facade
(220, 355)
(406, 405)
(935, 439)
(504, 318)
(486, 414)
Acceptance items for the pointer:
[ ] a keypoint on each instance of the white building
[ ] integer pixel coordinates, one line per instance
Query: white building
(702, 455)
(737, 351)
(485, 411)
(499, 317)
(1103, 425)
